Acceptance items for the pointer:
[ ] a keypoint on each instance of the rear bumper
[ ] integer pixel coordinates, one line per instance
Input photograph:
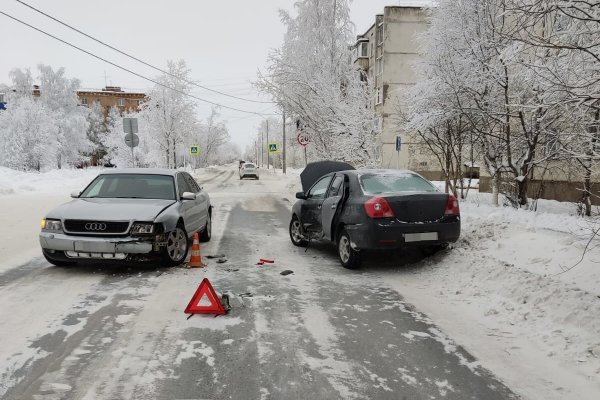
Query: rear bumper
(96, 245)
(391, 234)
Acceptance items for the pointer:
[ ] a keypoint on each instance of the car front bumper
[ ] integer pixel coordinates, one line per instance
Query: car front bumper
(94, 247)
(390, 234)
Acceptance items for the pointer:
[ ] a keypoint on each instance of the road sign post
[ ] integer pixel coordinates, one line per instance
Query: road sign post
(130, 127)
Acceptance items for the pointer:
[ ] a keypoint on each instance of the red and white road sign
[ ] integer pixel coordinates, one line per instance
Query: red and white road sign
(205, 301)
(303, 139)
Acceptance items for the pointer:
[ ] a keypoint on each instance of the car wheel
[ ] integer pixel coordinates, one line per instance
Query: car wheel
(58, 258)
(296, 233)
(177, 246)
(207, 231)
(349, 257)
(257, 178)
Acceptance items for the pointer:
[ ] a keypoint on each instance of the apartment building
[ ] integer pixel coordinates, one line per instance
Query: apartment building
(386, 53)
(112, 96)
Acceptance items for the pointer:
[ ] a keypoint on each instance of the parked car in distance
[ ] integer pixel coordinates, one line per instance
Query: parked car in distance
(362, 210)
(128, 214)
(249, 170)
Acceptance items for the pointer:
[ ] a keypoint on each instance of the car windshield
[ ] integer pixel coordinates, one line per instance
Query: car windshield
(377, 184)
(133, 186)
(249, 166)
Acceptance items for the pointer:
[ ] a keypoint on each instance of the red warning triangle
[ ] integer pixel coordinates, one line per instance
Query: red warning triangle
(205, 294)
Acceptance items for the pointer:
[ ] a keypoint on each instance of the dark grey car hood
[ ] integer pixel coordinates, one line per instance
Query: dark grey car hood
(315, 170)
(111, 209)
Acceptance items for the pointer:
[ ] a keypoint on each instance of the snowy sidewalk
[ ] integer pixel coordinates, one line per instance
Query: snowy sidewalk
(502, 293)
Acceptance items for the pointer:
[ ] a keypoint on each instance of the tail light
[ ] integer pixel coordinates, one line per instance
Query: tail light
(378, 207)
(452, 206)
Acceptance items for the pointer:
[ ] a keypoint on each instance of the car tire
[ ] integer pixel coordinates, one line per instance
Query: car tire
(173, 254)
(296, 233)
(206, 233)
(349, 258)
(58, 258)
(257, 178)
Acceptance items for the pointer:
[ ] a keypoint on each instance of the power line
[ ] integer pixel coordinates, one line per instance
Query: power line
(128, 70)
(137, 59)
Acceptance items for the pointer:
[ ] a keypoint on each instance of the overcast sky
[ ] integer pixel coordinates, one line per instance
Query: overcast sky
(224, 43)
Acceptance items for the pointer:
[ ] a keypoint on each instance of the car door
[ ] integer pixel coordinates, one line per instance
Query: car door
(310, 214)
(201, 209)
(330, 204)
(188, 207)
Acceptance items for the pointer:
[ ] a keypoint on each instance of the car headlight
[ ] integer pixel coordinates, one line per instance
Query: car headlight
(51, 225)
(142, 228)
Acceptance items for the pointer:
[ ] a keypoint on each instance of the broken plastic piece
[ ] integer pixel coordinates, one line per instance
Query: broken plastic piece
(266, 260)
(286, 272)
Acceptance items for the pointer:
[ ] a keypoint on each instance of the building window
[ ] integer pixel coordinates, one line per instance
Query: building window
(380, 34)
(378, 95)
(121, 102)
(379, 65)
(378, 123)
(362, 50)
(84, 101)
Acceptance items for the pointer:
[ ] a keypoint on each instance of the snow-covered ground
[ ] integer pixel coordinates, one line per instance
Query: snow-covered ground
(503, 291)
(518, 292)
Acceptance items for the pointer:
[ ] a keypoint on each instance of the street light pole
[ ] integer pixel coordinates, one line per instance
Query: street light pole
(267, 148)
(283, 144)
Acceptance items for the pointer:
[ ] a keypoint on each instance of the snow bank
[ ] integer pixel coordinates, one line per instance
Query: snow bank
(53, 181)
(518, 292)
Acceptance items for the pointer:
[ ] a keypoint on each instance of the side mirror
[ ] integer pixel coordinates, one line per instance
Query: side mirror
(188, 196)
(75, 194)
(301, 196)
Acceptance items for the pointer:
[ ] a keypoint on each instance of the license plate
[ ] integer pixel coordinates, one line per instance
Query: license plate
(420, 237)
(94, 247)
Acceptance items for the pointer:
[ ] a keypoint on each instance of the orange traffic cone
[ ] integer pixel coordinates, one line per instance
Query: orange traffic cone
(195, 259)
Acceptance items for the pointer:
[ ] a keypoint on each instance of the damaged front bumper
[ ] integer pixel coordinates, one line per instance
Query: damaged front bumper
(100, 247)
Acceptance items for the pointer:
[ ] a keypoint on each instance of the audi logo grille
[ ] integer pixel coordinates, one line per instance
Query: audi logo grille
(95, 226)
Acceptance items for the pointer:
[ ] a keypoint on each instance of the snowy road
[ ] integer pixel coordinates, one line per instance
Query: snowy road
(93, 332)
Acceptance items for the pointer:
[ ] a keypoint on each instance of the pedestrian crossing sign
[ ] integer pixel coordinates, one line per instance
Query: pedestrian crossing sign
(194, 150)
(272, 147)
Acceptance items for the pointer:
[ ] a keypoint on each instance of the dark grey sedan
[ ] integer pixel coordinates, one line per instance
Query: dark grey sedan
(373, 210)
(128, 214)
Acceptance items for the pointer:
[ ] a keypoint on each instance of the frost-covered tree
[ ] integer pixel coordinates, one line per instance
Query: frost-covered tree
(96, 130)
(476, 72)
(36, 130)
(27, 139)
(169, 115)
(213, 136)
(59, 95)
(311, 77)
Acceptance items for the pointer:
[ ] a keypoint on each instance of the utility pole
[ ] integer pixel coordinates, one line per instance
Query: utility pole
(283, 144)
(262, 155)
(267, 148)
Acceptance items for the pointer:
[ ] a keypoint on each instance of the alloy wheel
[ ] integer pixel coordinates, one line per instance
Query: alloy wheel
(177, 243)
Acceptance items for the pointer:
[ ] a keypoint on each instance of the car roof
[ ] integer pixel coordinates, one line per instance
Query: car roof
(141, 171)
(377, 171)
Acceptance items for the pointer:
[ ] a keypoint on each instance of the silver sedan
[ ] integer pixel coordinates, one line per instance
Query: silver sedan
(129, 214)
